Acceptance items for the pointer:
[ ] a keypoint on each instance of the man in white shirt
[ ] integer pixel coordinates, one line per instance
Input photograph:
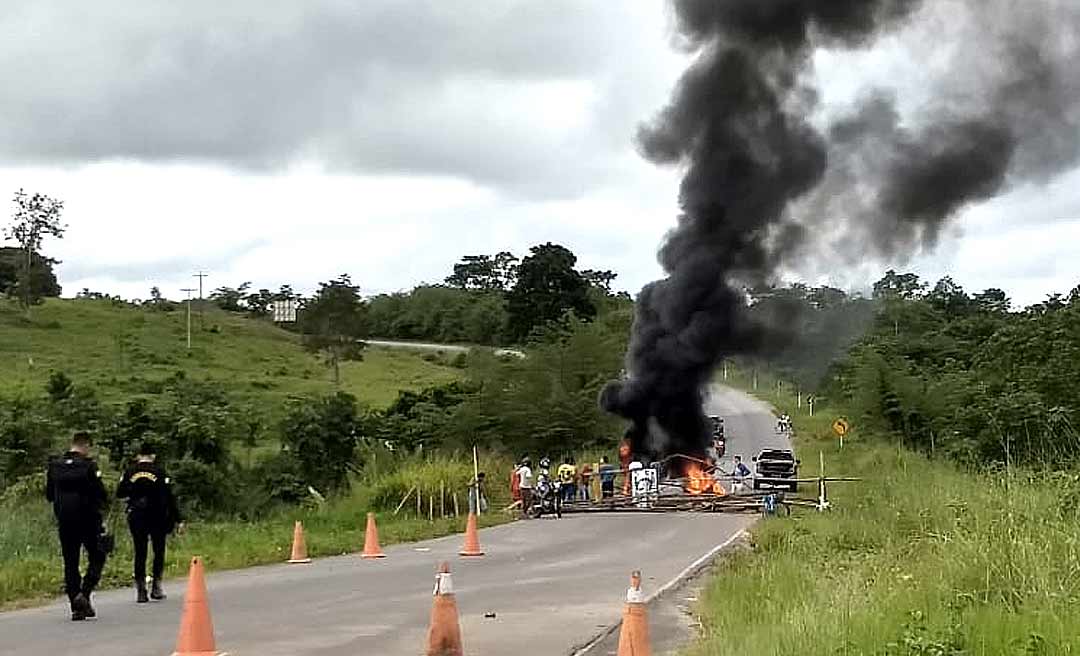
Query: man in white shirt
(525, 484)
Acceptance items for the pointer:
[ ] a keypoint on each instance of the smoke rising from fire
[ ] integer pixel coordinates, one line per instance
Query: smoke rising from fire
(767, 182)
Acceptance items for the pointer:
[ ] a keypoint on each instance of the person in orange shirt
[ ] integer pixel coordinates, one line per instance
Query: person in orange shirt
(584, 480)
(515, 483)
(624, 464)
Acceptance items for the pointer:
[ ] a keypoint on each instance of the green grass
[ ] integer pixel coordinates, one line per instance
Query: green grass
(919, 558)
(123, 351)
(30, 567)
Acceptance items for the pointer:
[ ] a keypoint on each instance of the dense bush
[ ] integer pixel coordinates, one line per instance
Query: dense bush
(956, 374)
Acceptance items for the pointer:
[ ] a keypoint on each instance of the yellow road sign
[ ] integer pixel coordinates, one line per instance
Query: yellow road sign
(841, 426)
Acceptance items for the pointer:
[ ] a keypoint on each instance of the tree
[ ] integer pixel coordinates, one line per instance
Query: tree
(321, 435)
(600, 279)
(905, 286)
(547, 288)
(485, 272)
(230, 299)
(43, 283)
(949, 298)
(334, 321)
(35, 217)
(992, 301)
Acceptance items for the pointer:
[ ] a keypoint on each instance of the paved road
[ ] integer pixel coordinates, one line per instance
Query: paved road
(441, 348)
(552, 584)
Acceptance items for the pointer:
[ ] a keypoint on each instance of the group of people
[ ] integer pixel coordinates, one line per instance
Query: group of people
(74, 486)
(575, 482)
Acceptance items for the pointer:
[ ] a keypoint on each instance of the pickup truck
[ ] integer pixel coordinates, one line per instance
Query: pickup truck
(773, 466)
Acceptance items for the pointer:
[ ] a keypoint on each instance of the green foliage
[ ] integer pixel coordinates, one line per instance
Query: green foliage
(547, 288)
(59, 386)
(26, 439)
(321, 436)
(949, 373)
(440, 314)
(36, 217)
(487, 273)
(334, 321)
(916, 558)
(43, 283)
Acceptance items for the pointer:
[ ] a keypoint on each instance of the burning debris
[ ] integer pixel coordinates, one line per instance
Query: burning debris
(761, 177)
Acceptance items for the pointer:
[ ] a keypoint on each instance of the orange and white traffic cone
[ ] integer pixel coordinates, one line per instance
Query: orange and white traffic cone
(196, 637)
(371, 540)
(634, 632)
(472, 538)
(444, 634)
(299, 546)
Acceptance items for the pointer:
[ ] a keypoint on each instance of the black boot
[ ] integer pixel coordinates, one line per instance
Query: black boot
(156, 593)
(79, 604)
(140, 592)
(90, 612)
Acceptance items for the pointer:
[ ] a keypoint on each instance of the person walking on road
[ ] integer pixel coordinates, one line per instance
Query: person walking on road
(152, 515)
(739, 474)
(73, 485)
(525, 484)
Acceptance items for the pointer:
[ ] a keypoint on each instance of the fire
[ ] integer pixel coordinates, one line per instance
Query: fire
(699, 481)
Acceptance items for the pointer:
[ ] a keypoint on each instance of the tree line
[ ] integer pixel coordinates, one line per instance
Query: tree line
(957, 374)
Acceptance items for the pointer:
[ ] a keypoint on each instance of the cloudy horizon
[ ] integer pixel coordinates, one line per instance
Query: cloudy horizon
(291, 145)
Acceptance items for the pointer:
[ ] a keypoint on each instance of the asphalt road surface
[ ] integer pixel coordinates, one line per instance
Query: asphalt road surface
(552, 585)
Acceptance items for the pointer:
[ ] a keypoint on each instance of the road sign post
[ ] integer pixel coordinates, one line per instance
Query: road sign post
(841, 428)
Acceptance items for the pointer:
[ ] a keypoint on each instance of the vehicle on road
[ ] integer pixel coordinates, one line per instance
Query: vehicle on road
(775, 468)
(547, 499)
(783, 424)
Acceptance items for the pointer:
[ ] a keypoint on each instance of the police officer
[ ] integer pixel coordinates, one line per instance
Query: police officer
(152, 514)
(73, 485)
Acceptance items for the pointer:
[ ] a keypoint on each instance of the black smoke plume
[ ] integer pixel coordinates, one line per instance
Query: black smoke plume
(766, 182)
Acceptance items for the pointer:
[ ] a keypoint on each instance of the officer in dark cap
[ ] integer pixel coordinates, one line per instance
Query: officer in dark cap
(152, 514)
(73, 485)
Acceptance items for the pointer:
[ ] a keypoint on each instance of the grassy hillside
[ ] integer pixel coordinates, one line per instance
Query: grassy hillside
(124, 351)
(920, 558)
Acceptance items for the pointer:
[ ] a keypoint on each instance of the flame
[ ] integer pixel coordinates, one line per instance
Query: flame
(699, 481)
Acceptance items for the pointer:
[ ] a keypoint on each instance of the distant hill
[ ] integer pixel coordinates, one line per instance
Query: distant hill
(125, 351)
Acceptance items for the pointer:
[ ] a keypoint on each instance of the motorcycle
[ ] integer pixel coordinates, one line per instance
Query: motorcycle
(546, 497)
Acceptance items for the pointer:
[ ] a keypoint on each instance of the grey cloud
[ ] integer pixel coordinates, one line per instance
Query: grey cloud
(360, 86)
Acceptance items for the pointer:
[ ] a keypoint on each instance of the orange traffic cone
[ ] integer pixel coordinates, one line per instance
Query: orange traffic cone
(634, 632)
(299, 546)
(472, 539)
(196, 636)
(371, 540)
(444, 635)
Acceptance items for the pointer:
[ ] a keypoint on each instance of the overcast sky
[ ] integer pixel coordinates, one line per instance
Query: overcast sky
(289, 142)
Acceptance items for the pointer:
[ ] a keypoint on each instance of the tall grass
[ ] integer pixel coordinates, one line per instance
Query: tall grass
(917, 558)
(30, 566)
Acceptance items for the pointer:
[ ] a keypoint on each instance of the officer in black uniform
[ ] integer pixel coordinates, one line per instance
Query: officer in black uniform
(152, 515)
(73, 485)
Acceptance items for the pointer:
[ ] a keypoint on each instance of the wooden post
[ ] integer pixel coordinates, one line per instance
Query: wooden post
(404, 499)
(823, 503)
(456, 513)
(431, 508)
(419, 500)
(442, 498)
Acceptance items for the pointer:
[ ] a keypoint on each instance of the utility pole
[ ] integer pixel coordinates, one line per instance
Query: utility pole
(200, 275)
(188, 290)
